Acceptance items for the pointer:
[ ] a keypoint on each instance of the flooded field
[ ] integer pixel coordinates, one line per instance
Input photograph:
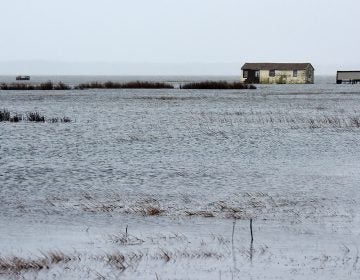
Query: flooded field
(161, 184)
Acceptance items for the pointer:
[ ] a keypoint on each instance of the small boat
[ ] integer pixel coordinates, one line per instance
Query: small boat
(22, 78)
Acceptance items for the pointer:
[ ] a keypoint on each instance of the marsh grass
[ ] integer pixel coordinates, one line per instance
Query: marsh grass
(168, 98)
(92, 85)
(168, 255)
(205, 214)
(61, 120)
(128, 85)
(16, 265)
(35, 117)
(355, 122)
(45, 86)
(19, 265)
(49, 85)
(56, 257)
(217, 85)
(165, 255)
(153, 85)
(221, 124)
(153, 211)
(6, 116)
(16, 118)
(125, 239)
(16, 86)
(61, 86)
(117, 260)
(150, 210)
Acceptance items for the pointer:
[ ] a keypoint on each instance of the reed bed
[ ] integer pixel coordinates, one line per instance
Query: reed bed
(4, 116)
(275, 119)
(19, 265)
(35, 117)
(43, 86)
(128, 85)
(217, 85)
(7, 116)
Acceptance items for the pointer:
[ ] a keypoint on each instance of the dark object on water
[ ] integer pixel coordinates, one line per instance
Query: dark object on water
(22, 78)
(350, 77)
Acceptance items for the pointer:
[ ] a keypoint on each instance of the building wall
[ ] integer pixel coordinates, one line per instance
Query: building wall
(242, 79)
(285, 77)
(348, 75)
(310, 78)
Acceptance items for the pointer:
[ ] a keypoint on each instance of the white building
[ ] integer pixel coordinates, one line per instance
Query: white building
(277, 73)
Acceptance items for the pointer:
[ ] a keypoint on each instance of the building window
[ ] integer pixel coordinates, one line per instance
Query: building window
(272, 73)
(295, 73)
(245, 73)
(257, 74)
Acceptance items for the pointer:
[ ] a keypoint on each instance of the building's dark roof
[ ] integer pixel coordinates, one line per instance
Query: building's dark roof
(276, 66)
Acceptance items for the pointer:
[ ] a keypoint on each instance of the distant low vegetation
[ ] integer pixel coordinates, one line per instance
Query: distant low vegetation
(6, 116)
(128, 85)
(43, 86)
(217, 85)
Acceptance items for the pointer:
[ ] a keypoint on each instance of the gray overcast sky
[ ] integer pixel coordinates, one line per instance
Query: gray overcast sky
(56, 35)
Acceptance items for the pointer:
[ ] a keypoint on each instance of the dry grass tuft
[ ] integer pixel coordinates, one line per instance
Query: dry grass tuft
(56, 257)
(153, 211)
(20, 265)
(117, 260)
(148, 208)
(204, 214)
(16, 265)
(125, 239)
(166, 256)
(122, 262)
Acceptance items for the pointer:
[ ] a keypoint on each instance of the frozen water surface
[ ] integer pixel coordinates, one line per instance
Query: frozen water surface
(181, 170)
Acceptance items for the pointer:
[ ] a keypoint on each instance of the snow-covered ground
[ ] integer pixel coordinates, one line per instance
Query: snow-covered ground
(162, 184)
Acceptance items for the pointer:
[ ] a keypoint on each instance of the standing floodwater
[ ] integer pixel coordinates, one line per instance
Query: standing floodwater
(175, 168)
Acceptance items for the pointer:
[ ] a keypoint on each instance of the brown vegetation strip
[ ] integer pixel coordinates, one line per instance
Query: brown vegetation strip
(17, 265)
(126, 85)
(43, 86)
(217, 85)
